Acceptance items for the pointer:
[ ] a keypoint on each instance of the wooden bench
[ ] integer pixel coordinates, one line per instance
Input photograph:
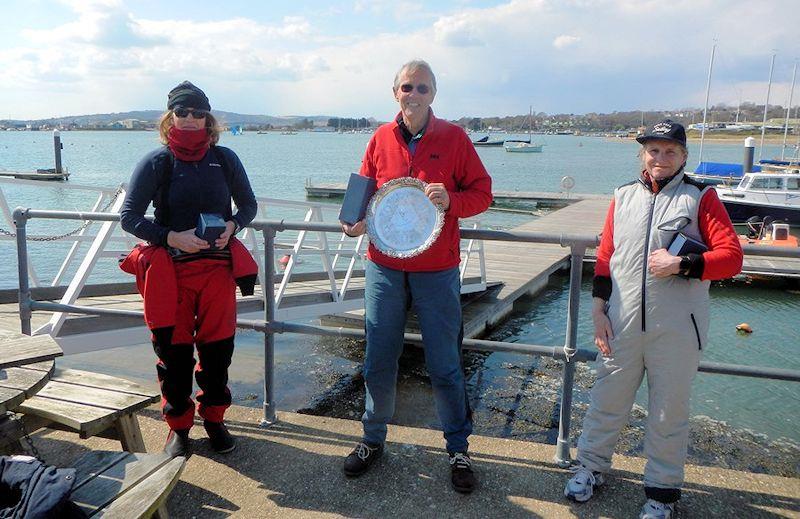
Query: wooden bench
(125, 485)
(88, 403)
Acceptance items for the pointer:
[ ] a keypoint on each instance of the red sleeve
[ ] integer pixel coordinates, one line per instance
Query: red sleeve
(724, 257)
(475, 185)
(606, 247)
(368, 168)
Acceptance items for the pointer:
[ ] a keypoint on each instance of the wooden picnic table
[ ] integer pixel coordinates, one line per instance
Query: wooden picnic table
(108, 484)
(17, 349)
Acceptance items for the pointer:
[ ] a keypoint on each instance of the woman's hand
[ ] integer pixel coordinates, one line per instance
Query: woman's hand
(357, 229)
(437, 194)
(662, 264)
(222, 241)
(186, 241)
(602, 327)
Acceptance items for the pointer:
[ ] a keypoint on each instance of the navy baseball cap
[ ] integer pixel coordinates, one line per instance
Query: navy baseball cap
(666, 130)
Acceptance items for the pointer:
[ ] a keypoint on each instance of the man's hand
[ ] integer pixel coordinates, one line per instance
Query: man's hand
(357, 229)
(438, 195)
(186, 241)
(222, 241)
(661, 263)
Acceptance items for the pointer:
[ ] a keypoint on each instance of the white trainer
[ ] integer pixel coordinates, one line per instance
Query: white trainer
(653, 509)
(580, 487)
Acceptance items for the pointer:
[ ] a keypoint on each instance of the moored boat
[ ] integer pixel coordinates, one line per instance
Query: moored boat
(766, 232)
(523, 147)
(485, 142)
(774, 193)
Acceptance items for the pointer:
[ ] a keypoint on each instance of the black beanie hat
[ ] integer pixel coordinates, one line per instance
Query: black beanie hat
(186, 95)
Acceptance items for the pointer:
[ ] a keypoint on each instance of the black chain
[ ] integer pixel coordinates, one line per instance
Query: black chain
(57, 237)
(25, 435)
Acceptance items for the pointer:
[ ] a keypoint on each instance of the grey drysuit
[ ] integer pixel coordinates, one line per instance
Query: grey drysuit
(659, 326)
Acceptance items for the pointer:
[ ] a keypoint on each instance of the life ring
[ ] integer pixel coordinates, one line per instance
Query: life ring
(567, 182)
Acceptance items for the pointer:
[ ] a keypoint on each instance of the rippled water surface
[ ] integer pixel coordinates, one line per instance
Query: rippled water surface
(279, 165)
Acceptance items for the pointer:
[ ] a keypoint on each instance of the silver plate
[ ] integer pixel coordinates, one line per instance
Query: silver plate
(402, 222)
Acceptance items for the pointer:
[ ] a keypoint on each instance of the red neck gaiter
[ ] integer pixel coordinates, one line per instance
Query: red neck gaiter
(188, 145)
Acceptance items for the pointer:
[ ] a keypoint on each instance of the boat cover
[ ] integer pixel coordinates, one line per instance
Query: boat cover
(722, 169)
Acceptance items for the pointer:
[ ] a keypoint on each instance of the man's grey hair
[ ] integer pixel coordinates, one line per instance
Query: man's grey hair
(413, 66)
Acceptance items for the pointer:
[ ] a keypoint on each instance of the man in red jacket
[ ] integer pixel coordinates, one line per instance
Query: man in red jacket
(419, 145)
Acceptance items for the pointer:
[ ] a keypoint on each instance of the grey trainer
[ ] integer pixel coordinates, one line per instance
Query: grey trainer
(653, 509)
(581, 485)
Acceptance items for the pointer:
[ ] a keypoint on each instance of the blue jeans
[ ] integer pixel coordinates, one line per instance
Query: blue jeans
(436, 298)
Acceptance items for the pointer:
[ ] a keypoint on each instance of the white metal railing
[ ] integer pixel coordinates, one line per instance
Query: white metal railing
(99, 199)
(301, 252)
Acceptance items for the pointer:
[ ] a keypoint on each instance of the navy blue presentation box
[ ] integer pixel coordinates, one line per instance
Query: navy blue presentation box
(683, 244)
(209, 227)
(356, 199)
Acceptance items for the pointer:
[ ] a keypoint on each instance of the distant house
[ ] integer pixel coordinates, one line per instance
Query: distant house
(133, 124)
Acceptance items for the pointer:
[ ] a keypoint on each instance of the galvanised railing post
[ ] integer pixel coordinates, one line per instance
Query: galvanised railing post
(562, 456)
(268, 287)
(24, 295)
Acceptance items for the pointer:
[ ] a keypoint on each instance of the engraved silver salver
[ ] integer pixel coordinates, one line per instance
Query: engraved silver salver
(402, 222)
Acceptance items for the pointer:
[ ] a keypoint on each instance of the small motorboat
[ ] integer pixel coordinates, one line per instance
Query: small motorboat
(772, 192)
(766, 232)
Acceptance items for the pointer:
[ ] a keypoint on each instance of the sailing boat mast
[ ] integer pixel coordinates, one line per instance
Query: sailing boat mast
(788, 109)
(530, 123)
(738, 107)
(705, 109)
(766, 107)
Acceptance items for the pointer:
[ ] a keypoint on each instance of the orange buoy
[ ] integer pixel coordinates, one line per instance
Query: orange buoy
(744, 328)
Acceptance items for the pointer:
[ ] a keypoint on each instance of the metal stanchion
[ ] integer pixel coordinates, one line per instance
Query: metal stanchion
(268, 287)
(24, 297)
(562, 456)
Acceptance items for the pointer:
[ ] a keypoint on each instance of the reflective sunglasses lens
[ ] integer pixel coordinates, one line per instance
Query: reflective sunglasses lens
(406, 88)
(199, 114)
(181, 112)
(422, 89)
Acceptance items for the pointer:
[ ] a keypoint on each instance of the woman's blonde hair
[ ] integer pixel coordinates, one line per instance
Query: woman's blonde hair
(165, 123)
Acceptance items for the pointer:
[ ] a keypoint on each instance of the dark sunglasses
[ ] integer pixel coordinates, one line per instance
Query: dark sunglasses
(408, 87)
(185, 112)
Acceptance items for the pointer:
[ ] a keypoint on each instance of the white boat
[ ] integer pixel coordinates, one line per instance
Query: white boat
(775, 191)
(523, 147)
(518, 146)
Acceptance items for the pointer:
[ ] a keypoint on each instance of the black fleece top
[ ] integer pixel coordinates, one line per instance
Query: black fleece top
(195, 187)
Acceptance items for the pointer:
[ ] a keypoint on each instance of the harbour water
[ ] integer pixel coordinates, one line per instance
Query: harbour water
(278, 166)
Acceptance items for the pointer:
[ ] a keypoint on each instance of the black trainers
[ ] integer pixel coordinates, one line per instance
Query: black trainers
(461, 475)
(221, 439)
(178, 443)
(359, 461)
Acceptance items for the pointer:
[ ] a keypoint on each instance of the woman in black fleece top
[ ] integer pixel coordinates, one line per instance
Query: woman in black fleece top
(187, 177)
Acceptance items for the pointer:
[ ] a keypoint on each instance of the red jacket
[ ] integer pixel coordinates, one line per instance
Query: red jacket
(443, 155)
(155, 279)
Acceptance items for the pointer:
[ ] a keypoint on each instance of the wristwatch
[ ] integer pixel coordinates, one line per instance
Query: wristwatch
(686, 264)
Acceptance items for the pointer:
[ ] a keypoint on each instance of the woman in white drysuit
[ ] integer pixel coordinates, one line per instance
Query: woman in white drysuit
(651, 315)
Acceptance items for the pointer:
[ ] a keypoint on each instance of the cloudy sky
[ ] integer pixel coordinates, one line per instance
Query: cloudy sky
(333, 57)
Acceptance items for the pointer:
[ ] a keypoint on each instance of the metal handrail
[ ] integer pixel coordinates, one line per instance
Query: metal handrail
(569, 353)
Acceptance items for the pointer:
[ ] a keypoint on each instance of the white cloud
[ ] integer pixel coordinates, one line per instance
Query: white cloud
(565, 41)
(492, 60)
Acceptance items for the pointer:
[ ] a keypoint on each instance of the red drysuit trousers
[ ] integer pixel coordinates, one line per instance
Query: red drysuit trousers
(205, 320)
